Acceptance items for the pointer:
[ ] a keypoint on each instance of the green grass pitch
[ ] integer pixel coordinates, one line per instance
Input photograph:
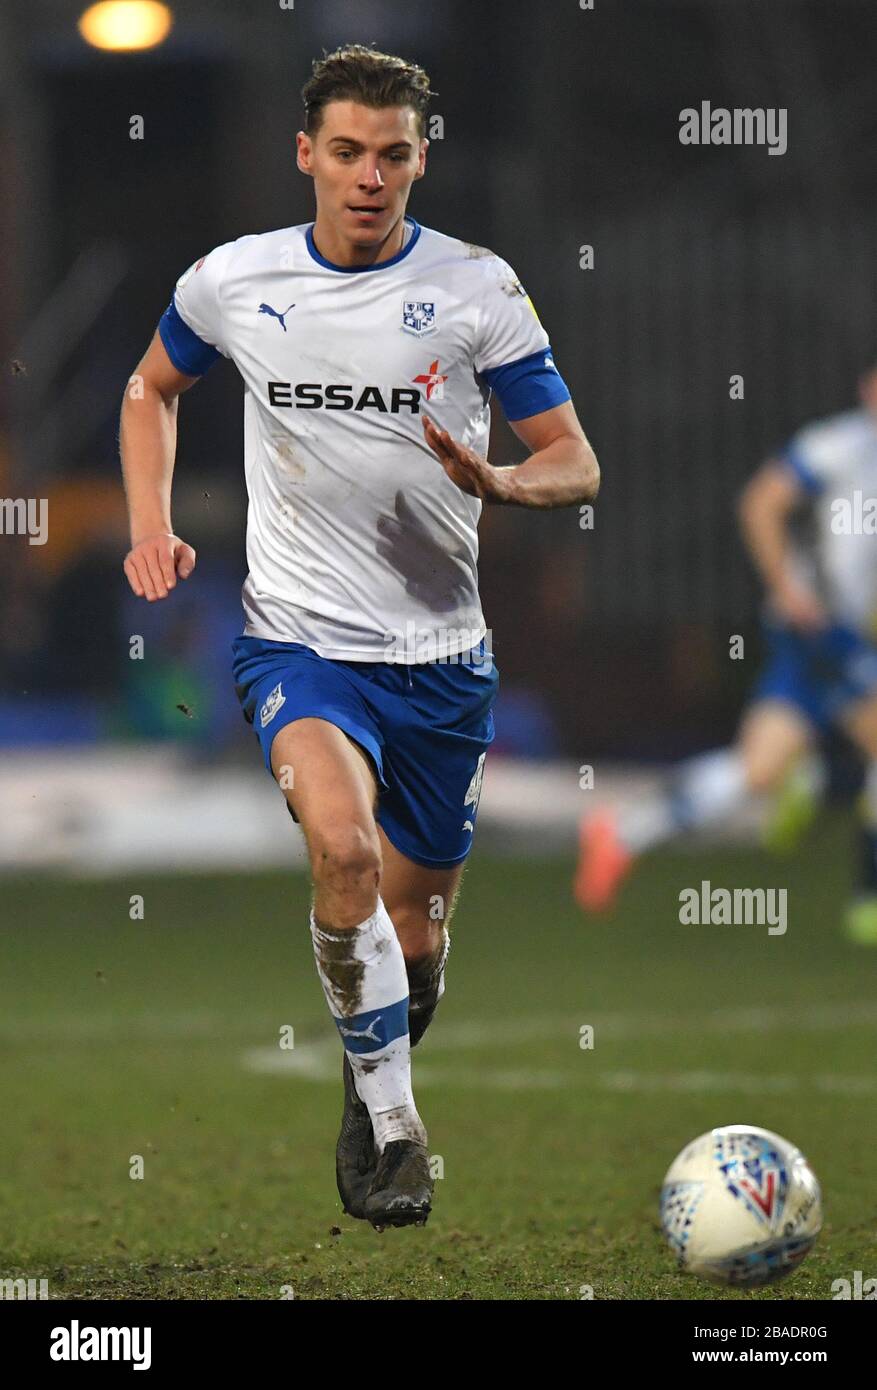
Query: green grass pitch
(160, 1038)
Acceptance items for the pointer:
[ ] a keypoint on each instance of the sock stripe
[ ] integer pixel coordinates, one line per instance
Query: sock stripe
(374, 1029)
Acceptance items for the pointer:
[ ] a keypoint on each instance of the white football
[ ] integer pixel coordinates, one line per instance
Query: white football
(740, 1205)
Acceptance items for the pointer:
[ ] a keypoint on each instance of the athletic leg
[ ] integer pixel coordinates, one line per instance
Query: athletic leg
(421, 902)
(773, 736)
(702, 792)
(330, 785)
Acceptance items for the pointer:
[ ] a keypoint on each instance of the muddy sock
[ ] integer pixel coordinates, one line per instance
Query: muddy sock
(363, 976)
(426, 985)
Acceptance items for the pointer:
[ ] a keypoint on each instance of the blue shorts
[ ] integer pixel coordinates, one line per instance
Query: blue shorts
(822, 674)
(425, 727)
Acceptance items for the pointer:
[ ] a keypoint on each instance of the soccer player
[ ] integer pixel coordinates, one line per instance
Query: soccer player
(369, 347)
(821, 669)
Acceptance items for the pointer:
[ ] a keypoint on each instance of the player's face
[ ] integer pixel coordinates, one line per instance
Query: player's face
(363, 163)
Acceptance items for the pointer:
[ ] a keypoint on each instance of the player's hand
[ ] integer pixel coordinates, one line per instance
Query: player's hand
(468, 470)
(799, 606)
(155, 563)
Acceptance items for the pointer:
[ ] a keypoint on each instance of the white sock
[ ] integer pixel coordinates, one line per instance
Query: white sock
(703, 791)
(366, 987)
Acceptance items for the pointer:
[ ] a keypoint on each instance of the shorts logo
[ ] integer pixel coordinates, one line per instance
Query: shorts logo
(418, 316)
(272, 705)
(473, 795)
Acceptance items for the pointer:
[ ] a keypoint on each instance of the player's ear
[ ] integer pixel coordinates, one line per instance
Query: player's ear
(303, 152)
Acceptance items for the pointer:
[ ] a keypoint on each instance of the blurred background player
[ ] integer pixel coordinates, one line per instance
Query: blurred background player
(809, 521)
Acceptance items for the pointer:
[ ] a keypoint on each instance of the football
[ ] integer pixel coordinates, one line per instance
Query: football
(740, 1205)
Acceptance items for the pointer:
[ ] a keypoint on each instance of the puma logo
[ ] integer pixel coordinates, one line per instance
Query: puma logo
(362, 1032)
(266, 309)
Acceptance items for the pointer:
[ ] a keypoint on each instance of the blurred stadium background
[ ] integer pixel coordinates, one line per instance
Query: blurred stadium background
(560, 131)
(707, 262)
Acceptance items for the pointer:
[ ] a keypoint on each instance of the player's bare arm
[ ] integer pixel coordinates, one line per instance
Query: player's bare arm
(560, 472)
(148, 441)
(765, 509)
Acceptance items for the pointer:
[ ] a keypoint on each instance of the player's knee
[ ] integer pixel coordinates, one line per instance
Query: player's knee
(407, 917)
(345, 855)
(419, 929)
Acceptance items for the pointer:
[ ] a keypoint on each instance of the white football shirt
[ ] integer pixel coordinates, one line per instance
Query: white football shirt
(358, 544)
(835, 461)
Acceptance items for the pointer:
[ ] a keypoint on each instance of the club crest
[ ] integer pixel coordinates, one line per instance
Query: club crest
(473, 793)
(272, 705)
(418, 316)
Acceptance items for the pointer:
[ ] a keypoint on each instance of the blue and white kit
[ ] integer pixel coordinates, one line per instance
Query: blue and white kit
(426, 728)
(835, 464)
(362, 553)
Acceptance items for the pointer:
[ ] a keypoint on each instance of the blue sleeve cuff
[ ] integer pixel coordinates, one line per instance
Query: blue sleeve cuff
(188, 352)
(794, 459)
(528, 386)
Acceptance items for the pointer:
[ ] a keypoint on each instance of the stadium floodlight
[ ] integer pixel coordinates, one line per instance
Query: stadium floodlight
(126, 25)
